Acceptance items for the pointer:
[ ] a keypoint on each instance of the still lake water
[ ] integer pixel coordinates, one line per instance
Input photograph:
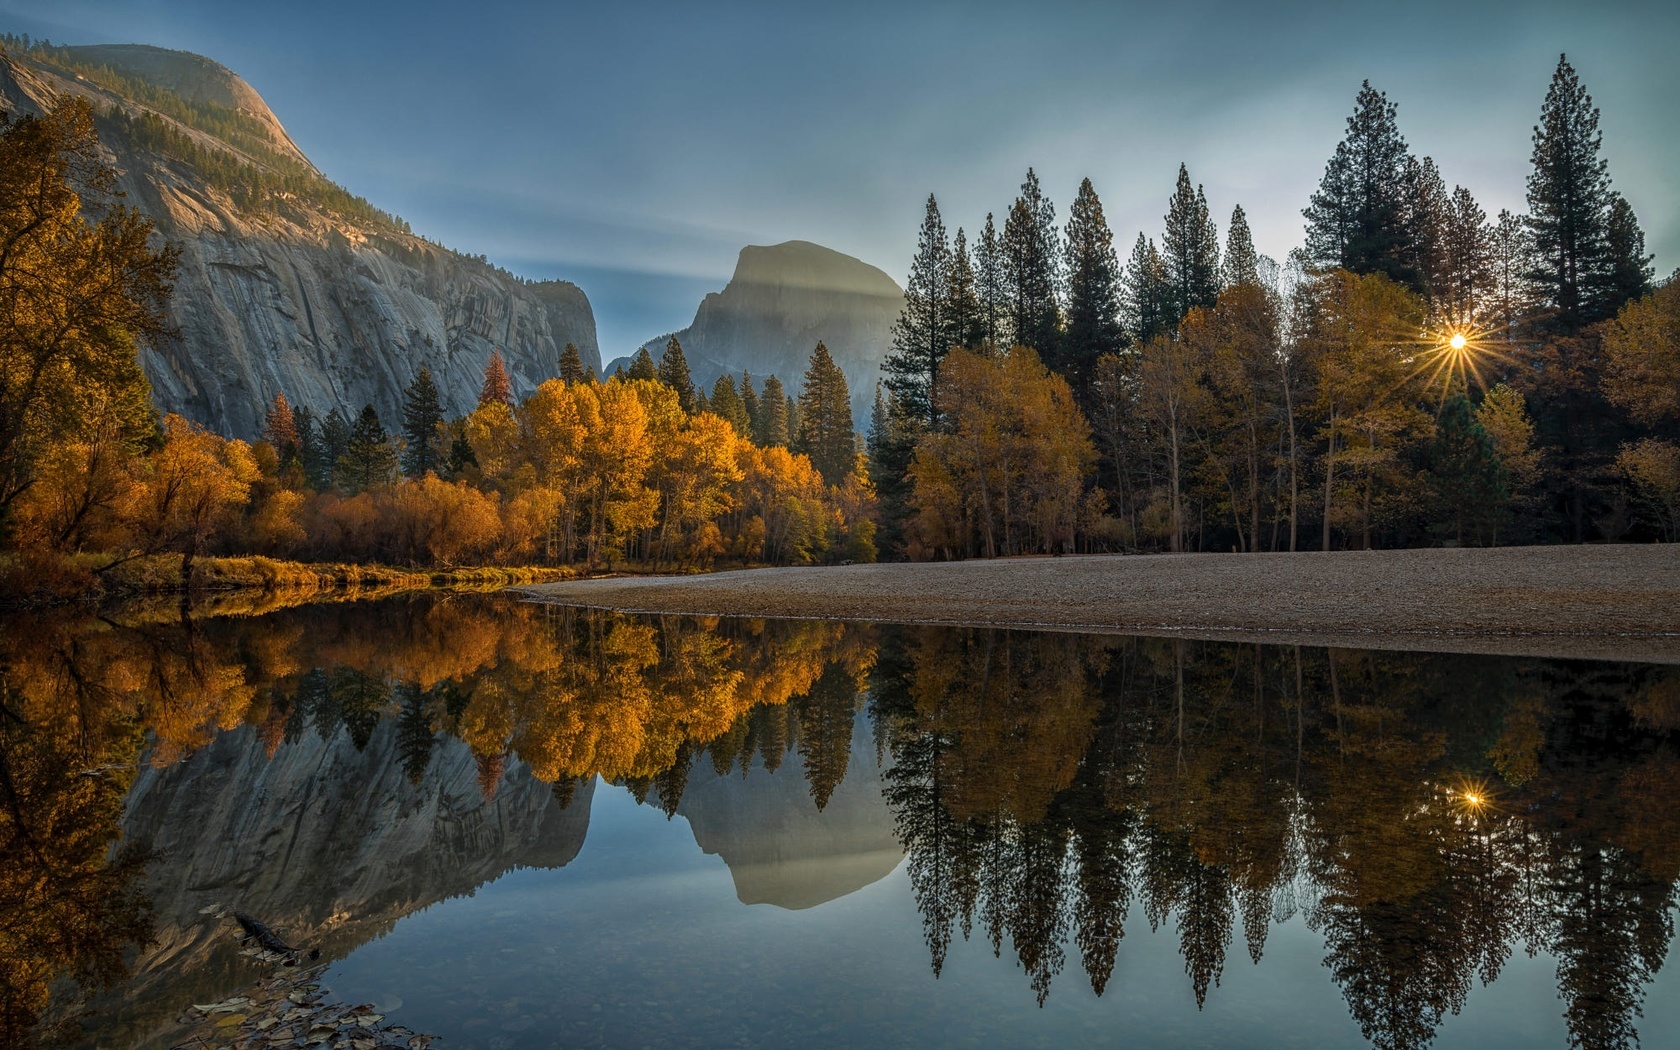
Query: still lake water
(513, 826)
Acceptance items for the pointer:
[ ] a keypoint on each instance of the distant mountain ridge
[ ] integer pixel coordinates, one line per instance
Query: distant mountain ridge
(288, 283)
(781, 301)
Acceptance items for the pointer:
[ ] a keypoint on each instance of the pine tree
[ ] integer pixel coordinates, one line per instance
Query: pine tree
(1190, 250)
(498, 386)
(1031, 270)
(1629, 270)
(1469, 483)
(1428, 212)
(1467, 261)
(726, 404)
(461, 453)
(422, 427)
(1145, 294)
(751, 405)
(571, 365)
(308, 438)
(1569, 205)
(330, 446)
(773, 416)
(963, 322)
(919, 336)
(892, 444)
(280, 428)
(825, 419)
(1357, 219)
(673, 372)
(988, 284)
(642, 366)
(1511, 262)
(1240, 265)
(368, 460)
(792, 407)
(1093, 272)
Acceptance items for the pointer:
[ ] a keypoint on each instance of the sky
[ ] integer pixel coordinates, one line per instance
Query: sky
(635, 148)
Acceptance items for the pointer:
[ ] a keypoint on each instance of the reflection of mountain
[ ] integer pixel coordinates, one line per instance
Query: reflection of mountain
(329, 844)
(780, 848)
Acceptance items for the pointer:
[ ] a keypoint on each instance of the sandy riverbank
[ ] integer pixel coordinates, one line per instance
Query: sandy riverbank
(1620, 602)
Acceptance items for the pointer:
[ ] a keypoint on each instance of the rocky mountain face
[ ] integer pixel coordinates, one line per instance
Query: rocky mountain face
(326, 843)
(298, 295)
(780, 848)
(780, 302)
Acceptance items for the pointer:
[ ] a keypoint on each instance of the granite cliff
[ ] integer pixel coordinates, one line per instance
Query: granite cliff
(783, 299)
(288, 283)
(329, 844)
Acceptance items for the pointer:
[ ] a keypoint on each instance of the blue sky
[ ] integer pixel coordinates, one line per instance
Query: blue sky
(635, 148)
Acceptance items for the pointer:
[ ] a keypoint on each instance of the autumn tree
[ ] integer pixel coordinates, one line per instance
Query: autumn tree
(498, 385)
(1642, 346)
(422, 427)
(280, 428)
(190, 491)
(81, 288)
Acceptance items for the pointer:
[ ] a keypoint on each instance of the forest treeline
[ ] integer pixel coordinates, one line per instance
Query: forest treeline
(1051, 792)
(1418, 373)
(641, 468)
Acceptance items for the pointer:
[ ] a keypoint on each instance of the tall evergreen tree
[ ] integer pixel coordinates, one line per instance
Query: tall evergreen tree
(751, 405)
(1031, 270)
(1428, 212)
(330, 446)
(825, 419)
(1511, 263)
(422, 427)
(1569, 205)
(673, 372)
(892, 444)
(1357, 219)
(1146, 294)
(308, 436)
(1241, 265)
(964, 324)
(988, 284)
(1190, 250)
(772, 415)
(1093, 277)
(726, 404)
(498, 385)
(368, 460)
(642, 366)
(571, 365)
(1629, 270)
(919, 338)
(1466, 289)
(1469, 482)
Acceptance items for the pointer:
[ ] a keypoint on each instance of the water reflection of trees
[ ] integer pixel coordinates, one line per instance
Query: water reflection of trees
(1048, 789)
(1044, 784)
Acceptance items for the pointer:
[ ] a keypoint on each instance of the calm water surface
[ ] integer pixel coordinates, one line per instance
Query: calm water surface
(522, 827)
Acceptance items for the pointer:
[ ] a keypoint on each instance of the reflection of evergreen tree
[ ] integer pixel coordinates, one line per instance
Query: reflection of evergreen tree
(415, 738)
(673, 780)
(358, 700)
(1613, 928)
(826, 714)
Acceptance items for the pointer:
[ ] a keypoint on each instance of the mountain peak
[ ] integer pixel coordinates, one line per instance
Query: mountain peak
(193, 77)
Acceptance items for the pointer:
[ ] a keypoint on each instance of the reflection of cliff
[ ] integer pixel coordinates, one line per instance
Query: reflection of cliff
(330, 844)
(780, 848)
